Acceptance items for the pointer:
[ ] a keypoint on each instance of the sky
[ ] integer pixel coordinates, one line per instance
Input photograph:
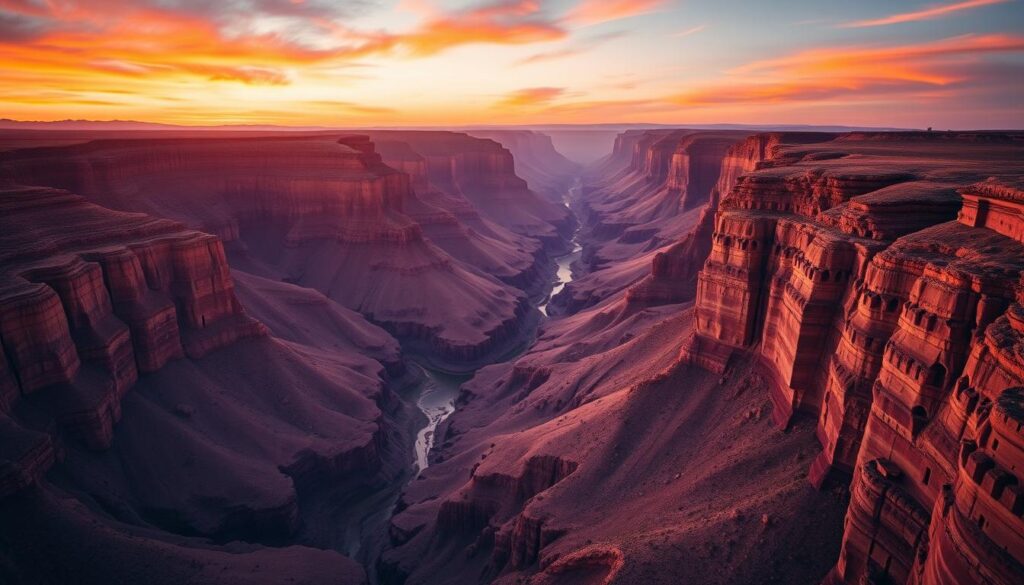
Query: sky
(944, 64)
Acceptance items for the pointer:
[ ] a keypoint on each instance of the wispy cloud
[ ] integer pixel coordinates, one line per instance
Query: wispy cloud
(691, 31)
(589, 12)
(578, 47)
(550, 55)
(531, 97)
(930, 13)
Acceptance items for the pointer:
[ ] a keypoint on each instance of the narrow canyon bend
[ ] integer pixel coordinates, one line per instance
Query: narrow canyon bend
(451, 357)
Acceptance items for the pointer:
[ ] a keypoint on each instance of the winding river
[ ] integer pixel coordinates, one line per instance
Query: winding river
(437, 402)
(440, 390)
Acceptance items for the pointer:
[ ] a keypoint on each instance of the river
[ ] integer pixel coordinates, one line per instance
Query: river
(440, 390)
(435, 398)
(437, 402)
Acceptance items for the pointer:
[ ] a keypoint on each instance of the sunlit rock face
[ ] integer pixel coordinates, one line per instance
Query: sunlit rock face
(876, 282)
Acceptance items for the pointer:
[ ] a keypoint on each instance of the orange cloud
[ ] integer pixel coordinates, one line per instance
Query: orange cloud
(506, 22)
(532, 97)
(863, 72)
(926, 14)
(73, 48)
(549, 56)
(590, 12)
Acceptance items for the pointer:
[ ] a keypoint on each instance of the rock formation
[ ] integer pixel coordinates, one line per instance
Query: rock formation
(327, 213)
(93, 298)
(130, 368)
(545, 170)
(173, 418)
(865, 291)
(483, 173)
(869, 288)
(870, 278)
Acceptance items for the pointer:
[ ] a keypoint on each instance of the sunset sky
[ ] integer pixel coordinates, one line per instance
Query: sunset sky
(947, 64)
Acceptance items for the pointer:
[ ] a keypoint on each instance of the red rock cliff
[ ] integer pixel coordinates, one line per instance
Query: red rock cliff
(483, 172)
(334, 207)
(836, 265)
(91, 298)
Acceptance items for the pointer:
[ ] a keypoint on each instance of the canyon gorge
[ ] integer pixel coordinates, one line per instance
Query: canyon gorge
(391, 356)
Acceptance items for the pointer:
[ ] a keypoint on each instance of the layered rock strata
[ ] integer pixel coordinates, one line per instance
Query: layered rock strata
(837, 266)
(327, 213)
(483, 172)
(537, 161)
(92, 298)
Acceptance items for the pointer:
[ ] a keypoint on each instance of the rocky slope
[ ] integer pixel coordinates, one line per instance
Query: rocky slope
(483, 172)
(147, 416)
(327, 213)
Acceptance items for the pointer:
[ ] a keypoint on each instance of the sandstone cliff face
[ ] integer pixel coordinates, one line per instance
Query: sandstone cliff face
(674, 269)
(545, 170)
(93, 298)
(326, 212)
(837, 266)
(483, 173)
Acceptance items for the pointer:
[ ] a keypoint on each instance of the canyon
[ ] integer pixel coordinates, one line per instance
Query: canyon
(712, 356)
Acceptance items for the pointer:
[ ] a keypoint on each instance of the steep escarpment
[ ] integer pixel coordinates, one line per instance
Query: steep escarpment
(673, 276)
(145, 412)
(454, 224)
(545, 170)
(92, 298)
(871, 276)
(483, 172)
(326, 213)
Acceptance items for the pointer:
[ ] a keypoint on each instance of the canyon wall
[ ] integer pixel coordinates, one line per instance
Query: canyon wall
(648, 205)
(93, 298)
(545, 170)
(132, 376)
(325, 212)
(875, 282)
(483, 172)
